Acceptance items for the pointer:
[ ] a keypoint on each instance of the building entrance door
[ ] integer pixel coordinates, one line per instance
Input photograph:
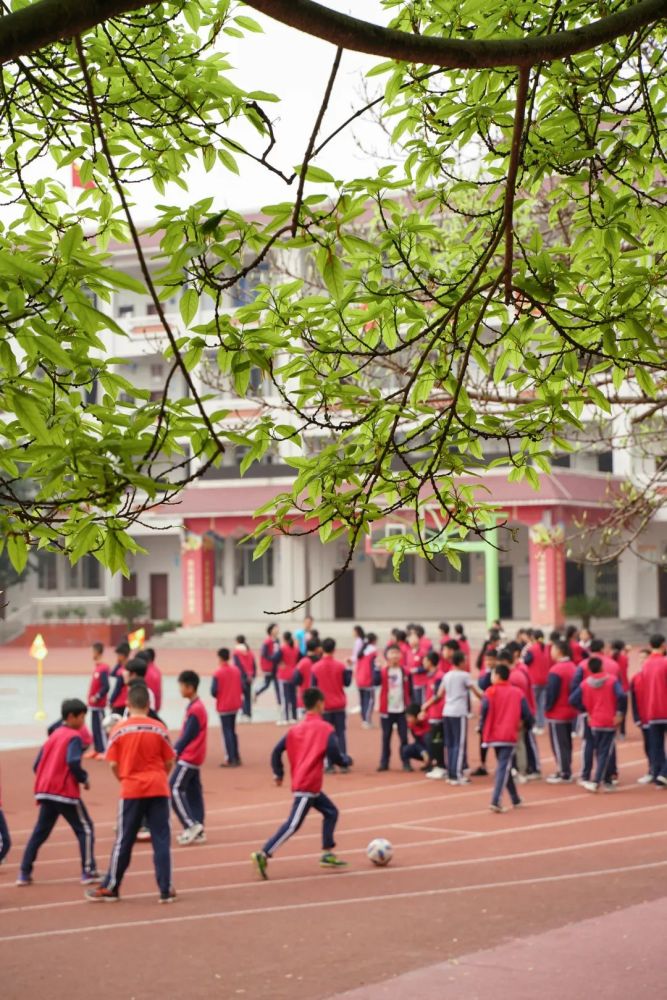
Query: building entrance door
(506, 592)
(344, 595)
(159, 584)
(662, 592)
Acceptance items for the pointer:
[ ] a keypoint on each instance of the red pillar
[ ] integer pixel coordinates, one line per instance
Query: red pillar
(546, 557)
(197, 575)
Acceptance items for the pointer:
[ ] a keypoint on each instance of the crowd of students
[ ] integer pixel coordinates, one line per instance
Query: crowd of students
(424, 692)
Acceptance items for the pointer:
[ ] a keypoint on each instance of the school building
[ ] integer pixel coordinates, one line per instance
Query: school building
(198, 569)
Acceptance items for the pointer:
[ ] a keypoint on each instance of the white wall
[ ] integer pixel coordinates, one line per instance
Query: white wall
(164, 557)
(638, 575)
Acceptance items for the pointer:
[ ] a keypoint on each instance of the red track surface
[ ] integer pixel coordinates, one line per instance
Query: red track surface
(461, 880)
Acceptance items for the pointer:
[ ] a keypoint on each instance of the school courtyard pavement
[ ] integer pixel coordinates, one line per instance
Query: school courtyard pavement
(615, 956)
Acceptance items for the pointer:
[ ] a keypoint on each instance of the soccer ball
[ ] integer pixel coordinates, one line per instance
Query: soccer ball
(380, 851)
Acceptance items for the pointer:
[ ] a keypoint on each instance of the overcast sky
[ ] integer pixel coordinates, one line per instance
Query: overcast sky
(296, 68)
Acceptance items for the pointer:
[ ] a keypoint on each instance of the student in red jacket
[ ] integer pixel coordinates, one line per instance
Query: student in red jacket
(98, 692)
(269, 658)
(395, 696)
(153, 676)
(538, 661)
(364, 670)
(640, 716)
(227, 689)
(304, 671)
(561, 716)
(58, 780)
(504, 709)
(432, 713)
(415, 666)
(289, 657)
(187, 797)
(118, 696)
(332, 677)
(655, 682)
(242, 657)
(603, 699)
(464, 645)
(418, 727)
(307, 745)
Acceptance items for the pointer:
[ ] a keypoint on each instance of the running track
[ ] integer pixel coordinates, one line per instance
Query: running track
(462, 880)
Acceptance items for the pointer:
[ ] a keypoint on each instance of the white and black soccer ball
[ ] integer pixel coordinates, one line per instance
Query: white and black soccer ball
(380, 851)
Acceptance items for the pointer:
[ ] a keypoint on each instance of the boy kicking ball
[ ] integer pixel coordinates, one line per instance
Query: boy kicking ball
(307, 744)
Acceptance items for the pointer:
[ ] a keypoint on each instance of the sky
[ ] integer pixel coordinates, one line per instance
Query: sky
(296, 67)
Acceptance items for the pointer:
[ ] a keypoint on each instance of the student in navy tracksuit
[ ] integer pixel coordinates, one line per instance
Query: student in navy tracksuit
(602, 697)
(561, 716)
(269, 658)
(187, 797)
(307, 744)
(97, 698)
(364, 670)
(332, 677)
(289, 657)
(227, 689)
(640, 716)
(5, 839)
(118, 696)
(504, 709)
(582, 673)
(654, 670)
(395, 696)
(419, 729)
(58, 780)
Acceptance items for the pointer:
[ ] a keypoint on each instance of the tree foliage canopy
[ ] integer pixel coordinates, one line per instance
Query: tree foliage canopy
(447, 309)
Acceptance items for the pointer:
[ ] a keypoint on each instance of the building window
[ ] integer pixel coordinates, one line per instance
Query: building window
(128, 585)
(605, 461)
(125, 311)
(562, 461)
(47, 571)
(85, 575)
(244, 290)
(157, 370)
(442, 571)
(385, 574)
(251, 573)
(606, 584)
(219, 563)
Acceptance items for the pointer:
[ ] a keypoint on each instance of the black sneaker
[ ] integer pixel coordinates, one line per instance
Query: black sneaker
(168, 897)
(407, 766)
(382, 767)
(481, 772)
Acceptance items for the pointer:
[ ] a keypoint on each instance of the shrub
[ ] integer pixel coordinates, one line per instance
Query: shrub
(585, 607)
(129, 609)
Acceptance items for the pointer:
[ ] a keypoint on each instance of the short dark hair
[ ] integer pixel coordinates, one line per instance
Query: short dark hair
(123, 649)
(287, 637)
(433, 657)
(453, 645)
(189, 677)
(98, 647)
(505, 655)
(538, 634)
(142, 654)
(413, 709)
(270, 628)
(618, 644)
(571, 631)
(371, 637)
(328, 645)
(459, 629)
(563, 647)
(444, 627)
(502, 671)
(137, 666)
(554, 636)
(392, 645)
(494, 635)
(223, 653)
(596, 646)
(311, 697)
(241, 639)
(137, 695)
(72, 706)
(656, 641)
(149, 653)
(491, 651)
(420, 631)
(312, 645)
(458, 658)
(594, 664)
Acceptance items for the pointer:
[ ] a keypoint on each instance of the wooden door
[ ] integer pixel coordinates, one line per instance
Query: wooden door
(344, 595)
(159, 584)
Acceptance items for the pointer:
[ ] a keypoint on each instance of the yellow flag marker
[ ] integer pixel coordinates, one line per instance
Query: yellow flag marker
(136, 639)
(39, 652)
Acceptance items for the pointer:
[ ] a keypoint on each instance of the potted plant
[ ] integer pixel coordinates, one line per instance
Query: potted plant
(63, 613)
(130, 610)
(585, 607)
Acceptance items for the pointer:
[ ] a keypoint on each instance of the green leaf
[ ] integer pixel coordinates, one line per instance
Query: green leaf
(188, 305)
(17, 551)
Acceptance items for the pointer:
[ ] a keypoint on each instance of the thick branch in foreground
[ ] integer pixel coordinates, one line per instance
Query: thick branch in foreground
(453, 53)
(48, 21)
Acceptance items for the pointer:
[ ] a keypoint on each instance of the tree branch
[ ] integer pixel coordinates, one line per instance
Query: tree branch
(48, 21)
(510, 189)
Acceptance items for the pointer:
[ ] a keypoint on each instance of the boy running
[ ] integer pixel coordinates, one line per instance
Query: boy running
(58, 780)
(307, 744)
(187, 797)
(141, 757)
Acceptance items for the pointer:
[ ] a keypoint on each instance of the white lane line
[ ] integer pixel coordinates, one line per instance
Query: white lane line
(417, 824)
(370, 872)
(402, 846)
(321, 904)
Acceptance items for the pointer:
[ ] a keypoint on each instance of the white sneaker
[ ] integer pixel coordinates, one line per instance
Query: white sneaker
(554, 779)
(191, 834)
(645, 779)
(590, 786)
(534, 776)
(436, 772)
(609, 788)
(538, 731)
